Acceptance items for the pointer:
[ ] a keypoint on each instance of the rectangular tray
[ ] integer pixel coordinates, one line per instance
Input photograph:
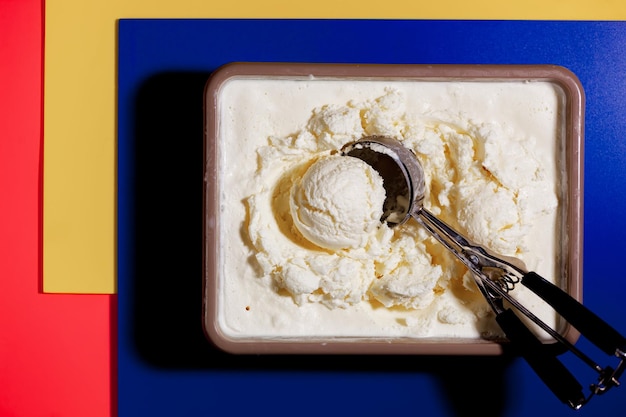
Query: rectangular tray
(216, 282)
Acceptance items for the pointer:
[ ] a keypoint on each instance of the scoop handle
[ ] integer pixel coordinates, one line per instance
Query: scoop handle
(596, 330)
(545, 364)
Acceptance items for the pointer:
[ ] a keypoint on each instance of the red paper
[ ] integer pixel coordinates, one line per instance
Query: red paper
(55, 349)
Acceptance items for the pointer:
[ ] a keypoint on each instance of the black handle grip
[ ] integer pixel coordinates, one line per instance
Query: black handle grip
(596, 330)
(545, 364)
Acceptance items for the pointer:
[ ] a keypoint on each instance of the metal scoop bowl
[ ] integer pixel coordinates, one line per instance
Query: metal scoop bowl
(496, 276)
(402, 173)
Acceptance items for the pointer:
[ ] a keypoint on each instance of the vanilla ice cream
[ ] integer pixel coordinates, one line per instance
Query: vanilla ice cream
(303, 251)
(338, 202)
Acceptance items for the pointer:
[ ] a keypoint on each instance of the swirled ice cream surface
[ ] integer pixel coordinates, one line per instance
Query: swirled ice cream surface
(302, 253)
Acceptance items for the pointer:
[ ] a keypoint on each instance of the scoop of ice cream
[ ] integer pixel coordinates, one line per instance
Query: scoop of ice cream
(338, 202)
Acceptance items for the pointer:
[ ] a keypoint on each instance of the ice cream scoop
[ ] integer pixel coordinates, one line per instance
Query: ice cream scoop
(401, 171)
(337, 203)
(496, 276)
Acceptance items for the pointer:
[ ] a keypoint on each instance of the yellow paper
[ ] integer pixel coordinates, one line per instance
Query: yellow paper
(79, 216)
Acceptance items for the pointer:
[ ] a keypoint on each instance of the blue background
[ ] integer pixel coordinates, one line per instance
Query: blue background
(165, 365)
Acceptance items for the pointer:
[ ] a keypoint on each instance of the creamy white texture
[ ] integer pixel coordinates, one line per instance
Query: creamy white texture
(338, 202)
(489, 152)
